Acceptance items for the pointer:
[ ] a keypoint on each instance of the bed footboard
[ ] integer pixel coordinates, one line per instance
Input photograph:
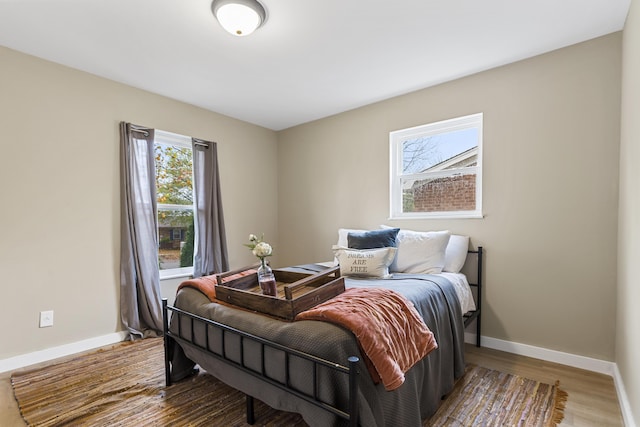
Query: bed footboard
(349, 413)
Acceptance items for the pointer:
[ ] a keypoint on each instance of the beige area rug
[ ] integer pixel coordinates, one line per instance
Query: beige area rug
(124, 386)
(484, 397)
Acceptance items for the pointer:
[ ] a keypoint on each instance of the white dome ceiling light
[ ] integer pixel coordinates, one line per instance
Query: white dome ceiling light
(239, 17)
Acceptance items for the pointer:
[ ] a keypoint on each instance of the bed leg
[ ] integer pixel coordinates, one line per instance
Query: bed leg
(251, 417)
(167, 342)
(353, 391)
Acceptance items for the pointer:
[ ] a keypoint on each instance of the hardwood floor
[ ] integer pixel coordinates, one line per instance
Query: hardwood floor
(593, 400)
(592, 397)
(9, 412)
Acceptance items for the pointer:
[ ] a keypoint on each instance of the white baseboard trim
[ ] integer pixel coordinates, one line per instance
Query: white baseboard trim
(582, 362)
(48, 354)
(625, 405)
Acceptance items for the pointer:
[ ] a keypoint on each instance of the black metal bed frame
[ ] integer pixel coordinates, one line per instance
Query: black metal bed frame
(475, 315)
(350, 413)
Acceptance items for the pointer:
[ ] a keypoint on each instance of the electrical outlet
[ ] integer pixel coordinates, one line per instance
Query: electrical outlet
(46, 318)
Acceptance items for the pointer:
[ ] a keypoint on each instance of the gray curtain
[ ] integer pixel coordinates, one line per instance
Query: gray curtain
(210, 251)
(140, 297)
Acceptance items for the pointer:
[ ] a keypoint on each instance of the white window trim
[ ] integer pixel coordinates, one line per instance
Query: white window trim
(396, 138)
(164, 137)
(171, 207)
(175, 273)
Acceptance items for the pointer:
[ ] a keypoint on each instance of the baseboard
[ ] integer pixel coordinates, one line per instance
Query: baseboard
(582, 362)
(625, 405)
(48, 354)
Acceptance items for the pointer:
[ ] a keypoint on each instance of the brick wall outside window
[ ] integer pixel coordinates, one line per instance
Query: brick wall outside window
(457, 193)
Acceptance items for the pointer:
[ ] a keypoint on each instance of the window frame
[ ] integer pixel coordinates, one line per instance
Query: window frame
(168, 138)
(396, 139)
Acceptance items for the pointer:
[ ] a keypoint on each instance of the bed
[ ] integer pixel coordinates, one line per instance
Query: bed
(316, 368)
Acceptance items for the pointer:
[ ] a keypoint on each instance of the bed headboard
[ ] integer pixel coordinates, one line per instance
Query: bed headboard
(473, 264)
(472, 268)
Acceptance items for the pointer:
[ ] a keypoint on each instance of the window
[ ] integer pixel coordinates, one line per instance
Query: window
(436, 170)
(174, 192)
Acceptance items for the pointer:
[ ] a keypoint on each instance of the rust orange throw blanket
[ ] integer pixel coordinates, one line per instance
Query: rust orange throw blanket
(390, 330)
(207, 284)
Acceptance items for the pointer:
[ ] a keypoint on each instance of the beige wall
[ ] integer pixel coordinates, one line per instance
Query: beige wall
(628, 337)
(59, 189)
(551, 138)
(550, 193)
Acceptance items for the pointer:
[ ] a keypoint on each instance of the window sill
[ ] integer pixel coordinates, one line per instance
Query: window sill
(176, 273)
(439, 215)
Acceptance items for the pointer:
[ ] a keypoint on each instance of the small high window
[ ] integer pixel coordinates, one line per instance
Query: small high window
(436, 170)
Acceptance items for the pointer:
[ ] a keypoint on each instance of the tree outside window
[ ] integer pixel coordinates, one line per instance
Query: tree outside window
(174, 190)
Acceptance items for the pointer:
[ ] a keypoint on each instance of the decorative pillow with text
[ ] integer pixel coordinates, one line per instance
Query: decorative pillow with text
(365, 262)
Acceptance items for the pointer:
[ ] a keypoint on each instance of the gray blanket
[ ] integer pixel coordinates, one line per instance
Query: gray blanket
(417, 399)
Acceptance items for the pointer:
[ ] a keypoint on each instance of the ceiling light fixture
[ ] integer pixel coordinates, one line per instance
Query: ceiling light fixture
(239, 17)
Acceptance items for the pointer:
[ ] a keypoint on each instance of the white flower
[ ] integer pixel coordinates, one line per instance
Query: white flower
(262, 250)
(258, 247)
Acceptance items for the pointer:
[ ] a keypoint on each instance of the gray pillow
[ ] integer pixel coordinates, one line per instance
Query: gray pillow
(385, 238)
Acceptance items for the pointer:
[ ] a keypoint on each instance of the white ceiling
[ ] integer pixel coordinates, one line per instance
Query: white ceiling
(311, 59)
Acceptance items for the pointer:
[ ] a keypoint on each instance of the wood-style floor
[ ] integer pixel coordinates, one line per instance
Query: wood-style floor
(592, 397)
(593, 400)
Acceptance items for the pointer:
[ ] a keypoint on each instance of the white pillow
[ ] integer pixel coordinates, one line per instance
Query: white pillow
(456, 253)
(420, 252)
(365, 262)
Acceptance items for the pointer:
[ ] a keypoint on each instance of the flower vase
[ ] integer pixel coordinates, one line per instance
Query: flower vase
(267, 280)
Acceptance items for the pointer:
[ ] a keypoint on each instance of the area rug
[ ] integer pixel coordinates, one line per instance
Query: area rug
(484, 397)
(123, 385)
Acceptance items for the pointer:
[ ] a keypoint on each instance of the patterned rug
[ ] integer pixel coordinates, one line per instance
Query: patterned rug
(124, 385)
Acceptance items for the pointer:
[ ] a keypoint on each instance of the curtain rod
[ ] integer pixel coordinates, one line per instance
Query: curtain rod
(143, 130)
(201, 142)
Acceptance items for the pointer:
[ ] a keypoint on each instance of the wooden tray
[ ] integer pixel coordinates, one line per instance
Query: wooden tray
(297, 292)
